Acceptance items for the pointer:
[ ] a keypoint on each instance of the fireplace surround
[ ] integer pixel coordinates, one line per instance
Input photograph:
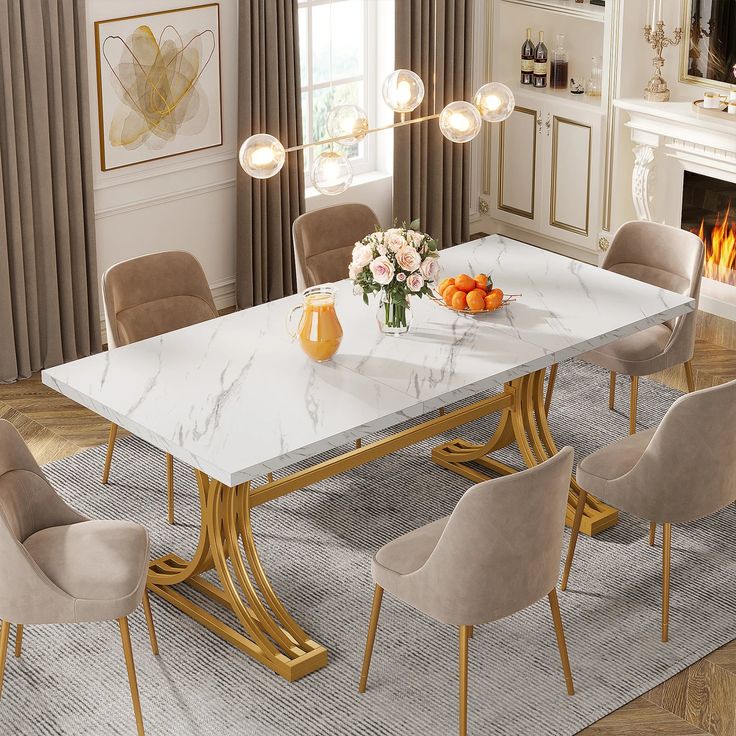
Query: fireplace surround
(685, 175)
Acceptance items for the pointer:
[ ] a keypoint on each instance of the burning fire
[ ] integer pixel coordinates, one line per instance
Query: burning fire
(720, 249)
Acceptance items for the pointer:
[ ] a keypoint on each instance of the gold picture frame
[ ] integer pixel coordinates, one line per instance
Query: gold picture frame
(159, 85)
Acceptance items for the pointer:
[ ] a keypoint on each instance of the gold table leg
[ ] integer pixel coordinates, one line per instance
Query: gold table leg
(524, 422)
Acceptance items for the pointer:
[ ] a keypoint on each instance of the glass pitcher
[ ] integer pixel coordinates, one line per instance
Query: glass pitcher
(319, 330)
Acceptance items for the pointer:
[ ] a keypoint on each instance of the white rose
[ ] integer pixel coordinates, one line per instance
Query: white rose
(395, 241)
(400, 276)
(352, 272)
(382, 270)
(415, 282)
(430, 269)
(362, 255)
(408, 258)
(417, 239)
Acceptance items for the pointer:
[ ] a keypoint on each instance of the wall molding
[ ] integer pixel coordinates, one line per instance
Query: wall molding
(160, 199)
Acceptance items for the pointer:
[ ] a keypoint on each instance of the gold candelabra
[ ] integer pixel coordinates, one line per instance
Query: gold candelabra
(657, 89)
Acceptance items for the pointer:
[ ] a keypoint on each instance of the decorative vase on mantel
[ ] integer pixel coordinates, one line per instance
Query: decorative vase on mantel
(397, 264)
(394, 318)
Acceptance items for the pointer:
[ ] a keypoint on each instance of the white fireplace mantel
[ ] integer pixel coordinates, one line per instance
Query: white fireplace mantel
(670, 138)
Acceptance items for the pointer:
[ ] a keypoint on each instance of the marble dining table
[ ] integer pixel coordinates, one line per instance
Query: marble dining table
(195, 392)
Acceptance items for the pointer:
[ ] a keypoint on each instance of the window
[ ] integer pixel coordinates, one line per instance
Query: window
(338, 67)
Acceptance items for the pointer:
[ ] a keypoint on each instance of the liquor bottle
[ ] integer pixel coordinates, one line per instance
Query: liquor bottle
(540, 63)
(527, 59)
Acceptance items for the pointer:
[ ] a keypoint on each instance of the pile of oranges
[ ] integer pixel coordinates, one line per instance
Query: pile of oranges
(473, 294)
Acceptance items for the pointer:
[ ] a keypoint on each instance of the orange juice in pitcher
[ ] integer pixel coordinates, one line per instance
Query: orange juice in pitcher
(319, 330)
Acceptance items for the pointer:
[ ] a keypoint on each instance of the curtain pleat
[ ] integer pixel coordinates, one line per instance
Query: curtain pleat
(269, 101)
(432, 175)
(49, 311)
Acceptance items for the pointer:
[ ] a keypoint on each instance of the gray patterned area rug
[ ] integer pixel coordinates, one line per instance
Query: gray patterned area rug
(316, 546)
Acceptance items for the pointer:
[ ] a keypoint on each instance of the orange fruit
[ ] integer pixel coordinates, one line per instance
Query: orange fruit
(447, 294)
(444, 284)
(464, 282)
(497, 291)
(476, 301)
(480, 292)
(481, 281)
(493, 301)
(459, 300)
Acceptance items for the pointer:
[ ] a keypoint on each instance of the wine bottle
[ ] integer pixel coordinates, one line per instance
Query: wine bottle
(540, 63)
(527, 59)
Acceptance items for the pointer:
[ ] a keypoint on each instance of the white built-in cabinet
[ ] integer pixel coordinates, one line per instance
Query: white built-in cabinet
(546, 165)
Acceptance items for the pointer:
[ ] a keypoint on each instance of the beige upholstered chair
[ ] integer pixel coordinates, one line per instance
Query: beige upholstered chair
(148, 296)
(497, 553)
(58, 567)
(683, 470)
(671, 259)
(324, 241)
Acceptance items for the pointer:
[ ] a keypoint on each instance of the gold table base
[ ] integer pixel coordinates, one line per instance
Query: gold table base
(226, 544)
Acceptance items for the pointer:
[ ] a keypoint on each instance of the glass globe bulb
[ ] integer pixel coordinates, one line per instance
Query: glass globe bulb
(403, 90)
(332, 173)
(460, 122)
(495, 102)
(347, 122)
(262, 156)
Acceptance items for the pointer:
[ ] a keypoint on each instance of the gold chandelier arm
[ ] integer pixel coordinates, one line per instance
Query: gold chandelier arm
(339, 138)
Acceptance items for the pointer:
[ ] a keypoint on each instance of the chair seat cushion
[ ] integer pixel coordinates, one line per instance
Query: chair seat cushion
(631, 355)
(406, 554)
(595, 471)
(101, 564)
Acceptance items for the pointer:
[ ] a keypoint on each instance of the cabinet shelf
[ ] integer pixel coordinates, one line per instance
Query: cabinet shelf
(584, 11)
(526, 94)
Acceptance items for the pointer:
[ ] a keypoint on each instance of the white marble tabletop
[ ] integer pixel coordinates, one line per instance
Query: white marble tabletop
(236, 398)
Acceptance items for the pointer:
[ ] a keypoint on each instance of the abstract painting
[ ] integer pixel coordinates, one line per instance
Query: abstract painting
(158, 84)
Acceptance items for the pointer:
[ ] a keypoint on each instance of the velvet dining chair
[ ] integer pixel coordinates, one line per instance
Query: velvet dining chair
(672, 259)
(496, 554)
(146, 297)
(683, 470)
(324, 242)
(58, 567)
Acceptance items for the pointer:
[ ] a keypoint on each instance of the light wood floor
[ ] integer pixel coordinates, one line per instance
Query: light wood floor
(700, 700)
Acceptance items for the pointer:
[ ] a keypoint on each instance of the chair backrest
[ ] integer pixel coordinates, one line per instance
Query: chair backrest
(153, 294)
(688, 470)
(661, 255)
(324, 241)
(500, 551)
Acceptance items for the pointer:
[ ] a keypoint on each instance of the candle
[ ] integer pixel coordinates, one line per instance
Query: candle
(656, 12)
(650, 12)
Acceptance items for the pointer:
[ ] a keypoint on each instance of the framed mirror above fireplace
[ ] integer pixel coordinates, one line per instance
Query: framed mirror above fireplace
(709, 48)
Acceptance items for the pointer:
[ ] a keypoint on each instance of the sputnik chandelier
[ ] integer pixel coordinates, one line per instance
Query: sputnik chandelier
(262, 156)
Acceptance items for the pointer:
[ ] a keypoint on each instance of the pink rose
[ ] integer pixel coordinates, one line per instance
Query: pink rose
(400, 276)
(430, 269)
(382, 270)
(415, 282)
(394, 240)
(362, 255)
(408, 258)
(418, 239)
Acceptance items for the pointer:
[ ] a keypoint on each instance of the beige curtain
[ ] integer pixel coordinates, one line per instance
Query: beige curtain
(432, 175)
(48, 282)
(269, 101)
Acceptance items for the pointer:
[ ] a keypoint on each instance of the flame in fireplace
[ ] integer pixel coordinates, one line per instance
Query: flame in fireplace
(720, 248)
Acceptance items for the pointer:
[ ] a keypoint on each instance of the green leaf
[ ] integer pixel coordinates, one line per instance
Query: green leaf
(414, 224)
(365, 297)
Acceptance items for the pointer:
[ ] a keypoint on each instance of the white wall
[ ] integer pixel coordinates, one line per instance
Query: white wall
(188, 202)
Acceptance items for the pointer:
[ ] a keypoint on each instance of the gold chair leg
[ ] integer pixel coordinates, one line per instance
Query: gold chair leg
(170, 486)
(132, 679)
(550, 388)
(561, 645)
(149, 623)
(634, 398)
(652, 533)
(612, 391)
(108, 456)
(666, 553)
(4, 636)
(463, 720)
(471, 631)
(689, 376)
(18, 640)
(574, 533)
(375, 612)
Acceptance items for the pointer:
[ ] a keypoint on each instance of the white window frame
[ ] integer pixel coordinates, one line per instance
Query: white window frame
(366, 162)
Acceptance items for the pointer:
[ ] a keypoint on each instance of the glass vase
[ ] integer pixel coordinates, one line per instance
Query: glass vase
(393, 318)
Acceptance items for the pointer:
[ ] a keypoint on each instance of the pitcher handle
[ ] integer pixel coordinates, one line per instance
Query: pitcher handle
(292, 332)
